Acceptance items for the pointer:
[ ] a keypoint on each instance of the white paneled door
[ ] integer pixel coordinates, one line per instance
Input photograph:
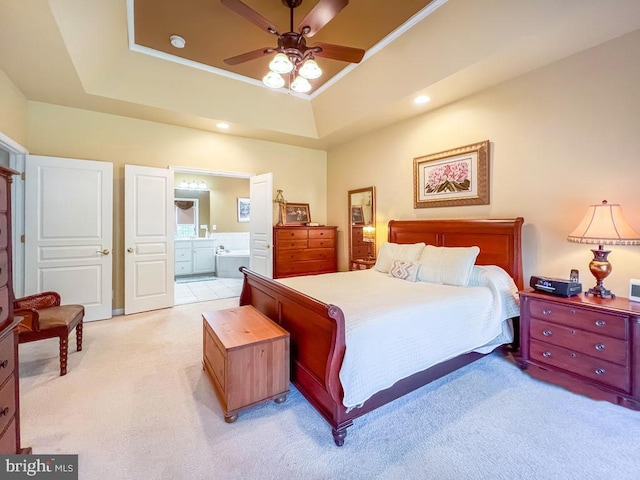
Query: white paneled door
(68, 231)
(148, 239)
(261, 230)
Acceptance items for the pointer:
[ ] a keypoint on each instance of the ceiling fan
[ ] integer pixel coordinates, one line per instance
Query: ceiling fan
(293, 54)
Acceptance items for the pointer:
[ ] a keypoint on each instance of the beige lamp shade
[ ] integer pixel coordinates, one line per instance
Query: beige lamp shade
(604, 225)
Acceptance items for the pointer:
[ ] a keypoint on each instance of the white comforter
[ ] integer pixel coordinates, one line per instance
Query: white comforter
(395, 328)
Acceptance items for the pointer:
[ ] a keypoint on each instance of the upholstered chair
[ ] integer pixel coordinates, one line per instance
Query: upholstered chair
(44, 317)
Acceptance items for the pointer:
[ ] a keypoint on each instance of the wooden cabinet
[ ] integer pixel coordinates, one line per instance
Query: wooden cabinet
(247, 358)
(9, 378)
(304, 251)
(588, 345)
(194, 257)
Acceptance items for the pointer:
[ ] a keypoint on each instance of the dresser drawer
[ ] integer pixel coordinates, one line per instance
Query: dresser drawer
(599, 370)
(4, 267)
(292, 244)
(593, 321)
(8, 440)
(4, 193)
(303, 268)
(7, 358)
(7, 402)
(4, 304)
(4, 233)
(292, 234)
(599, 346)
(321, 233)
(322, 243)
(304, 255)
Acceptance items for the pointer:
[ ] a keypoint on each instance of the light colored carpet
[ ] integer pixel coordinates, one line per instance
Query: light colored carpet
(136, 404)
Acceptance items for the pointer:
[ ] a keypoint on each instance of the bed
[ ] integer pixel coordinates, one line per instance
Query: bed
(317, 329)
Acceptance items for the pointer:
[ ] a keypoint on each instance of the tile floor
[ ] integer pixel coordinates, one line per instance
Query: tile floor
(207, 290)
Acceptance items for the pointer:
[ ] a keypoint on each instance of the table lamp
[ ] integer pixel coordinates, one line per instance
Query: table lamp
(603, 224)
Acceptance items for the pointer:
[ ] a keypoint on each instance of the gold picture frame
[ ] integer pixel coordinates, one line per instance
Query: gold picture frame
(452, 178)
(295, 213)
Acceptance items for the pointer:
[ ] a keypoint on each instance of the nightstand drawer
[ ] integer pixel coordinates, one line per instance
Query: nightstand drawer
(599, 346)
(7, 402)
(602, 323)
(599, 370)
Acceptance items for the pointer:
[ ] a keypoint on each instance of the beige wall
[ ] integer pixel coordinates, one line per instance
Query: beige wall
(67, 132)
(13, 111)
(562, 137)
(222, 196)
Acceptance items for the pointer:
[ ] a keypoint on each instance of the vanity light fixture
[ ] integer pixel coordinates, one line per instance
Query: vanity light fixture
(421, 100)
(222, 125)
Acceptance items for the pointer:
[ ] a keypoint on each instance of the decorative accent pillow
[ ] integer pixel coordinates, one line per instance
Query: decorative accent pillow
(447, 265)
(404, 270)
(388, 252)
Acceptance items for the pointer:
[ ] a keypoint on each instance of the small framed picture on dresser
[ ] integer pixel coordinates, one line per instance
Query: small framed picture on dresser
(295, 213)
(634, 290)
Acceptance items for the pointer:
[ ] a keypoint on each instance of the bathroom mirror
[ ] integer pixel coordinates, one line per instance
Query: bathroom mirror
(362, 232)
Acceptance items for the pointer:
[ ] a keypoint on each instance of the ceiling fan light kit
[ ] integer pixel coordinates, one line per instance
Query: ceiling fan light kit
(293, 56)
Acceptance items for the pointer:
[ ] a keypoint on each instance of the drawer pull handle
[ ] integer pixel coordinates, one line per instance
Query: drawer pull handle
(599, 371)
(572, 311)
(600, 346)
(546, 354)
(547, 333)
(600, 323)
(4, 363)
(546, 312)
(4, 411)
(573, 355)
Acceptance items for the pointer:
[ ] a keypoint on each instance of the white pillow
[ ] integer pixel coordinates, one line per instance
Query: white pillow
(404, 270)
(388, 252)
(447, 265)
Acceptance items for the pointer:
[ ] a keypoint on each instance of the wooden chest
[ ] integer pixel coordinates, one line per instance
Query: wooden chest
(304, 251)
(588, 345)
(247, 358)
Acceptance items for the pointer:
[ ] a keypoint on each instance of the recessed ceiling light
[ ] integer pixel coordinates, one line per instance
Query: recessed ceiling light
(222, 125)
(177, 41)
(421, 99)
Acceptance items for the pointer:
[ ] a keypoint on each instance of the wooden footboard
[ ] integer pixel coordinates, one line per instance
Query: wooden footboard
(317, 339)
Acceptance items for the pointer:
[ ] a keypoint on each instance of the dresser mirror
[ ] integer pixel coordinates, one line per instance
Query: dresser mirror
(362, 232)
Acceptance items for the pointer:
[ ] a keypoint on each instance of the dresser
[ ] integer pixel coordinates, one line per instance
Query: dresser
(359, 247)
(304, 250)
(9, 379)
(246, 356)
(588, 345)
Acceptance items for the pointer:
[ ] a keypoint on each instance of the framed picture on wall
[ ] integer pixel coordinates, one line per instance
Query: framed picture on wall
(295, 213)
(244, 209)
(452, 178)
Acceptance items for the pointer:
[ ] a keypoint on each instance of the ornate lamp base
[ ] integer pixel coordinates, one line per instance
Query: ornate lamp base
(600, 269)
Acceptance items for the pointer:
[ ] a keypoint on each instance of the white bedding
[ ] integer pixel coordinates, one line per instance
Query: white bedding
(395, 328)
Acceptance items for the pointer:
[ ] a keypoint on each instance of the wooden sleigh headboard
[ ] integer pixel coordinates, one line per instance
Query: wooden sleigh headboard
(500, 240)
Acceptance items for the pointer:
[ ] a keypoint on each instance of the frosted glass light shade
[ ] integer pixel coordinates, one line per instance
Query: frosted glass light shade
(273, 80)
(281, 64)
(310, 70)
(604, 224)
(300, 85)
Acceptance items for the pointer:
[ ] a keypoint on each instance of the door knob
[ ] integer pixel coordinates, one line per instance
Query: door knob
(130, 250)
(104, 252)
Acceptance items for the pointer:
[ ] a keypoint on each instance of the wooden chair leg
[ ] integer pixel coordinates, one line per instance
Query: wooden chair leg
(79, 336)
(64, 349)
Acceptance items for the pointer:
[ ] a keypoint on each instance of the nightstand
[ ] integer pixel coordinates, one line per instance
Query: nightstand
(362, 263)
(247, 358)
(588, 345)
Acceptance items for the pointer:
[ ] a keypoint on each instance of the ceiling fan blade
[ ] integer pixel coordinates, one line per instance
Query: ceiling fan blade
(339, 52)
(251, 15)
(245, 57)
(320, 15)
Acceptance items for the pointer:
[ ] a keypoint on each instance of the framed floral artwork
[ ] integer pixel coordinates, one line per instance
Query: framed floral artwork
(452, 178)
(244, 210)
